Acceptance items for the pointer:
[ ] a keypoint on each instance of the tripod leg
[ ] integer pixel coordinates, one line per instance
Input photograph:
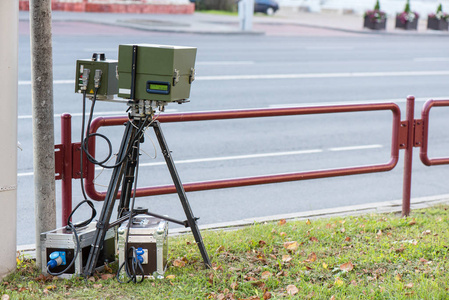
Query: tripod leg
(128, 180)
(111, 195)
(181, 192)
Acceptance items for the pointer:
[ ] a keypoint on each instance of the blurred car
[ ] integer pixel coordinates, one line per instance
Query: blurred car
(268, 7)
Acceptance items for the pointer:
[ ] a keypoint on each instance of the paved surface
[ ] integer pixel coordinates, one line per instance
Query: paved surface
(284, 22)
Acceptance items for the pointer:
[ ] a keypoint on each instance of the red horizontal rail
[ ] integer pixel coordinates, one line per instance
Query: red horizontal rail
(255, 113)
(425, 143)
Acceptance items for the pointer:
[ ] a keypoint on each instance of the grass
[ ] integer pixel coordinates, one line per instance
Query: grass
(363, 257)
(220, 12)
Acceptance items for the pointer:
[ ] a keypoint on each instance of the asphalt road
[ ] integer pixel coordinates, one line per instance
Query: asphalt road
(240, 72)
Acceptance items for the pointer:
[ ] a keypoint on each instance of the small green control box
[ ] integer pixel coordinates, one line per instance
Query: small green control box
(162, 73)
(97, 72)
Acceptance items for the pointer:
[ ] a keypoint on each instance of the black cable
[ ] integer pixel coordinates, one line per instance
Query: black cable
(85, 143)
(74, 257)
(132, 274)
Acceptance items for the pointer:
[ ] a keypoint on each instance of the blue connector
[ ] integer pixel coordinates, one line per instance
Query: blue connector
(139, 253)
(57, 258)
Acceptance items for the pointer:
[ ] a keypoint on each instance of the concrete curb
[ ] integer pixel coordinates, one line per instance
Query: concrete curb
(201, 23)
(395, 206)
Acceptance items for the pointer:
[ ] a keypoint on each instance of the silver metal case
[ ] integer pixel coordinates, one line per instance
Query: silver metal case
(63, 240)
(150, 234)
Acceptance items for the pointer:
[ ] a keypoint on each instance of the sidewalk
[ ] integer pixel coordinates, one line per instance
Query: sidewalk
(205, 23)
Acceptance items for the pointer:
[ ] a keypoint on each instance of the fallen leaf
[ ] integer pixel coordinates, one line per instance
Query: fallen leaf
(312, 257)
(98, 286)
(5, 297)
(412, 222)
(262, 243)
(292, 290)
(91, 278)
(338, 282)
(281, 273)
(313, 239)
(324, 265)
(347, 267)
(179, 263)
(107, 268)
(427, 232)
(107, 276)
(286, 258)
(398, 277)
(347, 239)
(266, 275)
(220, 249)
(343, 230)
(423, 260)
(282, 222)
(282, 234)
(333, 298)
(266, 295)
(234, 285)
(399, 250)
(308, 222)
(170, 276)
(409, 285)
(379, 233)
(293, 246)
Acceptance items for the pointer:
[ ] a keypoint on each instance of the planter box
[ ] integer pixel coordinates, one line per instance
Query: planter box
(413, 25)
(369, 23)
(435, 24)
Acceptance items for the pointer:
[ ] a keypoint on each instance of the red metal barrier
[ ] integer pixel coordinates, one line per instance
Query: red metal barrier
(425, 133)
(255, 113)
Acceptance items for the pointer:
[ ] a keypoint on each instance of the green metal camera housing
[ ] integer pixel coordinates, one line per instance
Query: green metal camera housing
(163, 73)
(109, 82)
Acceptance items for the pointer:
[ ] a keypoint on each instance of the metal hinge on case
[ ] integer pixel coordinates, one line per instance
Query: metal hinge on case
(175, 77)
(192, 75)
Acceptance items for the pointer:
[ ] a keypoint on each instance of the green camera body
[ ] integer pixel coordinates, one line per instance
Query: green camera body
(162, 73)
(108, 83)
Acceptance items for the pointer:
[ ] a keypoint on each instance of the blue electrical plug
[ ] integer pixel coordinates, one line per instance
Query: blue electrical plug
(57, 258)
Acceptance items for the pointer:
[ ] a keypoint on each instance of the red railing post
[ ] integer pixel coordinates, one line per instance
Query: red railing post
(408, 157)
(66, 186)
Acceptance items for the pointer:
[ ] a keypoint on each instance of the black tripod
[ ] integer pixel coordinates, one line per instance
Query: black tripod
(124, 173)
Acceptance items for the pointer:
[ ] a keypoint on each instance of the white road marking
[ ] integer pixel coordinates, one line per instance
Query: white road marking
(225, 63)
(25, 174)
(399, 100)
(63, 81)
(325, 75)
(430, 59)
(355, 148)
(295, 76)
(100, 113)
(248, 156)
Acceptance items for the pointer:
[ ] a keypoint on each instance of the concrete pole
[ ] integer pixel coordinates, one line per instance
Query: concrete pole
(246, 12)
(43, 123)
(9, 24)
